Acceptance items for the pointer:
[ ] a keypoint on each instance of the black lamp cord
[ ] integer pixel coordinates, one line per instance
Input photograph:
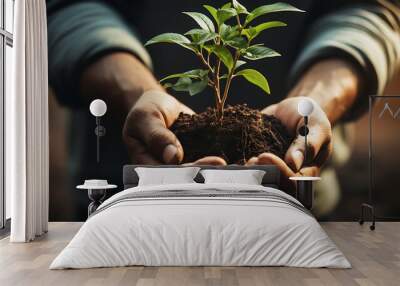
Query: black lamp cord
(98, 138)
(305, 138)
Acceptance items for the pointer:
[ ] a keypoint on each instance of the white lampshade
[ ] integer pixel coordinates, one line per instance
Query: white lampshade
(305, 107)
(98, 107)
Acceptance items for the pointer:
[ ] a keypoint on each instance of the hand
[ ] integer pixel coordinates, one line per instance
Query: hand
(319, 145)
(139, 106)
(333, 85)
(146, 131)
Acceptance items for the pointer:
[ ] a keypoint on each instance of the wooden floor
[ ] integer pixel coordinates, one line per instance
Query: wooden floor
(375, 257)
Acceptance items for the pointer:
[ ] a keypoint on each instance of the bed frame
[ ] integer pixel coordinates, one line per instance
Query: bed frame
(270, 179)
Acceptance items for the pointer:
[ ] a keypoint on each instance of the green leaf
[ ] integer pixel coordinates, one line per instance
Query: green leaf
(257, 52)
(193, 81)
(188, 85)
(224, 55)
(182, 84)
(250, 33)
(256, 78)
(212, 11)
(239, 7)
(231, 36)
(239, 64)
(237, 42)
(225, 14)
(229, 32)
(221, 15)
(169, 38)
(227, 5)
(209, 47)
(196, 74)
(253, 32)
(200, 36)
(203, 21)
(198, 87)
(272, 8)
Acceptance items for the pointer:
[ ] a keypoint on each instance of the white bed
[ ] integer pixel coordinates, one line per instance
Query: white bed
(201, 224)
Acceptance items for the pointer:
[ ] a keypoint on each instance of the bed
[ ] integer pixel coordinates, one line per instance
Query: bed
(197, 224)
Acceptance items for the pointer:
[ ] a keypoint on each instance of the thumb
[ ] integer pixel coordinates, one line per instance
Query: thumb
(148, 126)
(317, 138)
(270, 110)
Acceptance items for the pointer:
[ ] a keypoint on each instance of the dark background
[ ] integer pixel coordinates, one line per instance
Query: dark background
(353, 176)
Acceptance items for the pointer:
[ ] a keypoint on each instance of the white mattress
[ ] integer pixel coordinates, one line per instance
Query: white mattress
(185, 230)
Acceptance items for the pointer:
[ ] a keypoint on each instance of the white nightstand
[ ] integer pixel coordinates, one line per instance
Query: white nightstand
(304, 190)
(97, 190)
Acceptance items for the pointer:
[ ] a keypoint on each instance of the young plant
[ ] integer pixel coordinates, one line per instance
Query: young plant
(222, 49)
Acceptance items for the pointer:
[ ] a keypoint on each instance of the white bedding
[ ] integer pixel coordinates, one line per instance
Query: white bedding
(269, 228)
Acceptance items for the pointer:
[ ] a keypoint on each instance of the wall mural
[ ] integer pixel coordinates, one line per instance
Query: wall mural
(394, 113)
(222, 88)
(383, 125)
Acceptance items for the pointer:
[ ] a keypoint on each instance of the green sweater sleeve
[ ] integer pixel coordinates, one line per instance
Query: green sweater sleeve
(80, 32)
(366, 34)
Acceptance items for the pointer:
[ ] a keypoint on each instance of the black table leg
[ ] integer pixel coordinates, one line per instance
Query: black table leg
(97, 197)
(362, 216)
(305, 193)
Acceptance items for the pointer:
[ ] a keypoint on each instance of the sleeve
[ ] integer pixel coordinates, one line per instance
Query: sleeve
(366, 34)
(80, 32)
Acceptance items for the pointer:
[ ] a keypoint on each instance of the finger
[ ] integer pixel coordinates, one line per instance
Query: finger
(209, 160)
(168, 106)
(147, 125)
(252, 161)
(311, 171)
(272, 159)
(187, 110)
(138, 153)
(270, 110)
(318, 140)
(286, 172)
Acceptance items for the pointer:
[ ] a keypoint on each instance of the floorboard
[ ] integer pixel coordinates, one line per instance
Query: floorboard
(375, 257)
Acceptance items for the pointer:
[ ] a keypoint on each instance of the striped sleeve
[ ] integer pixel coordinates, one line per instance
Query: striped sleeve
(367, 35)
(78, 34)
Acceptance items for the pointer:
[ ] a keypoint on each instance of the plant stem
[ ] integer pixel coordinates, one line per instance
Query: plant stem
(218, 106)
(217, 89)
(214, 83)
(229, 80)
(203, 60)
(230, 75)
(238, 21)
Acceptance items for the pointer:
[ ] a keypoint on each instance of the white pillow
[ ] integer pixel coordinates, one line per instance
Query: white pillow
(164, 176)
(247, 177)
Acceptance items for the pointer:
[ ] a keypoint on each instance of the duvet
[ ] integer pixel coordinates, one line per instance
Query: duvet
(201, 224)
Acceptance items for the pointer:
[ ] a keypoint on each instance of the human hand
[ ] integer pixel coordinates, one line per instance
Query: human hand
(319, 145)
(139, 106)
(333, 85)
(146, 131)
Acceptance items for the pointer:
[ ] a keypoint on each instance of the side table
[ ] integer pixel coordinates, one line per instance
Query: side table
(97, 190)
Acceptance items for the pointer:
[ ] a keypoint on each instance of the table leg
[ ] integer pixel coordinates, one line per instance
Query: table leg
(96, 197)
(305, 193)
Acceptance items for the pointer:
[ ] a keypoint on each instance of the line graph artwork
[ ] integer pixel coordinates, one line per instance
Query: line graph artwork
(383, 155)
(387, 109)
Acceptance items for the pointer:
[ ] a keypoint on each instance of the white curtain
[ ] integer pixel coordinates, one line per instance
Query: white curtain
(27, 154)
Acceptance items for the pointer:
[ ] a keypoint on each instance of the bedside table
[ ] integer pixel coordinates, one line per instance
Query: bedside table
(97, 190)
(304, 190)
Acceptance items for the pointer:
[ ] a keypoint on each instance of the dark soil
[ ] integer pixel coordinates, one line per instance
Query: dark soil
(244, 133)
